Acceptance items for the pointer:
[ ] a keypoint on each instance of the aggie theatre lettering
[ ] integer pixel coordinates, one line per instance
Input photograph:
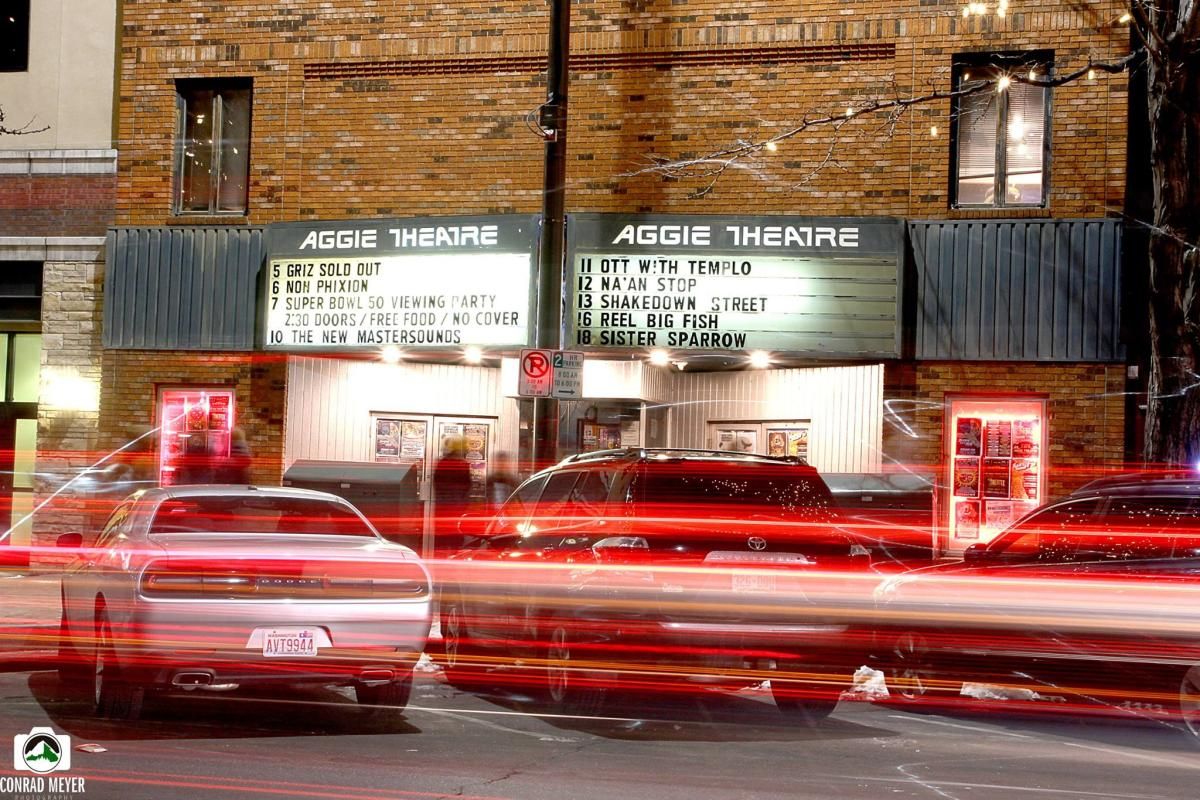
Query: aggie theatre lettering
(823, 286)
(411, 301)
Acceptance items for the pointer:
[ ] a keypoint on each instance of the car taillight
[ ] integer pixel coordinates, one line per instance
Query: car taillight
(265, 580)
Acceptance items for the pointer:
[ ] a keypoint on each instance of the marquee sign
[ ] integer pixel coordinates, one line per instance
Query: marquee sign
(420, 283)
(816, 286)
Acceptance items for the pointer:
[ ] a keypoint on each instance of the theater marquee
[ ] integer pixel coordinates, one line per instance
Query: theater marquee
(417, 283)
(810, 286)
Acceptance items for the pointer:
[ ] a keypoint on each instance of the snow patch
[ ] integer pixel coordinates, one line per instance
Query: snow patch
(425, 664)
(988, 691)
(868, 685)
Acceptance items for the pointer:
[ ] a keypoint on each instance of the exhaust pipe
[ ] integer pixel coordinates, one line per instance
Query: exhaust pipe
(191, 681)
(376, 677)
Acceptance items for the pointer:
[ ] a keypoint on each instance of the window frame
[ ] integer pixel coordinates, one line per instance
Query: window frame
(22, 14)
(185, 89)
(1013, 62)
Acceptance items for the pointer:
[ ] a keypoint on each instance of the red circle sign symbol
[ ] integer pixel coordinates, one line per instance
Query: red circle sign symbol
(535, 365)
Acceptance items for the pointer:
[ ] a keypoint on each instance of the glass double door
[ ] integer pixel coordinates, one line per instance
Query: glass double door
(424, 441)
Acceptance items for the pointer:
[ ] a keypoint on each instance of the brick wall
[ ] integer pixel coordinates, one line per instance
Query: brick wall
(68, 411)
(39, 205)
(363, 110)
(1085, 407)
(129, 390)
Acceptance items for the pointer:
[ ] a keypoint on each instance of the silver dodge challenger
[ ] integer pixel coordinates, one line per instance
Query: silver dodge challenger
(208, 588)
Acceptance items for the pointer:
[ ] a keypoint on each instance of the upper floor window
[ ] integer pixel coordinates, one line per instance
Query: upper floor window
(213, 162)
(14, 36)
(1000, 136)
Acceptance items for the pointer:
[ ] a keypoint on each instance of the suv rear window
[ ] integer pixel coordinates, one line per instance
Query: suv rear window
(736, 490)
(257, 515)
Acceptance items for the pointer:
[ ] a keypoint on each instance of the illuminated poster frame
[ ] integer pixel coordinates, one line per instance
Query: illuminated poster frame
(995, 454)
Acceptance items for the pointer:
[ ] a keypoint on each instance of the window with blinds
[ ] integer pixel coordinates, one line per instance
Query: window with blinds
(1000, 142)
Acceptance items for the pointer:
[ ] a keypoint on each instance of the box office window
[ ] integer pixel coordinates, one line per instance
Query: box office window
(213, 162)
(1000, 132)
(14, 36)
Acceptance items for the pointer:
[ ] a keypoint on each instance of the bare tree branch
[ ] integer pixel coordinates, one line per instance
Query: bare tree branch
(712, 166)
(21, 131)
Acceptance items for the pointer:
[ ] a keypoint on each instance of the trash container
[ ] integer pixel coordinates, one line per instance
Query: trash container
(386, 494)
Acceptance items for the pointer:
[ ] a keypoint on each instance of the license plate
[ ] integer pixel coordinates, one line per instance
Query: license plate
(753, 583)
(290, 643)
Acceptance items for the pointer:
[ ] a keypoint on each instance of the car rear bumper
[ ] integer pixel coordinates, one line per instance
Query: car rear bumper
(225, 642)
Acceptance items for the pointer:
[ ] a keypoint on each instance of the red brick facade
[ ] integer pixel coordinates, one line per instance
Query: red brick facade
(370, 111)
(1085, 412)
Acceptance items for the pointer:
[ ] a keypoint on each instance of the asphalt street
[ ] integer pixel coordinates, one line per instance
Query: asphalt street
(318, 744)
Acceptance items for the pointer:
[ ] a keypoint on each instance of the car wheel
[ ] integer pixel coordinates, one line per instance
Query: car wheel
(568, 689)
(912, 674)
(74, 673)
(385, 698)
(113, 696)
(1189, 702)
(460, 668)
(806, 702)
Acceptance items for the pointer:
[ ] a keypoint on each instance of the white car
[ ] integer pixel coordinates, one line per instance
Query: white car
(207, 588)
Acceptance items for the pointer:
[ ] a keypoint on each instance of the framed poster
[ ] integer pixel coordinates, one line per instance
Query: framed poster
(387, 440)
(994, 462)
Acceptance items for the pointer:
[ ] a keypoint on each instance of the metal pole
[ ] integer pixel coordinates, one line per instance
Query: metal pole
(554, 194)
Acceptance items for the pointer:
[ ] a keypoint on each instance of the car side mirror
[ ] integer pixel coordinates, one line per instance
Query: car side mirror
(473, 524)
(74, 540)
(976, 553)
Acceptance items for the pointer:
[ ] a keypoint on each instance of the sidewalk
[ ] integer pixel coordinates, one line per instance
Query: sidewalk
(29, 615)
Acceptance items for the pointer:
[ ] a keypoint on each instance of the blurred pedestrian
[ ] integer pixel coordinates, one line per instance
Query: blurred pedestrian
(503, 480)
(451, 493)
(235, 468)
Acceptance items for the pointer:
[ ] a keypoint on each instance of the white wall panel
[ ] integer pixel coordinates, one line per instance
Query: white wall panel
(330, 402)
(844, 404)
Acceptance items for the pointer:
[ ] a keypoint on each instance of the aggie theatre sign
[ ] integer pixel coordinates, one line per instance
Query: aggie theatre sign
(815, 286)
(433, 282)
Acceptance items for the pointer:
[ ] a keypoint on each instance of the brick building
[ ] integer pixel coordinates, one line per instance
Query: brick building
(57, 194)
(248, 127)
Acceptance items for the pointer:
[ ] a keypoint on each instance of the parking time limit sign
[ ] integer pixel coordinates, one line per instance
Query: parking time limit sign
(551, 373)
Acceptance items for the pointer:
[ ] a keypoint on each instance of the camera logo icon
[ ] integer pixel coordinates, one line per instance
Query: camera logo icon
(41, 750)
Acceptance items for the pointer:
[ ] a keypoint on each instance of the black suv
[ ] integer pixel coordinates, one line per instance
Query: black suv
(659, 570)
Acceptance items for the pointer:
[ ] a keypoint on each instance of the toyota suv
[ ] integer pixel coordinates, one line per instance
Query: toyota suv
(660, 570)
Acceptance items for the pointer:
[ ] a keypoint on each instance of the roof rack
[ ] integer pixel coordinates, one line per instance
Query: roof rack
(1172, 478)
(676, 452)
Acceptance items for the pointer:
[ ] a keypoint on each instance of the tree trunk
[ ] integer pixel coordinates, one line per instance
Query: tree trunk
(1173, 407)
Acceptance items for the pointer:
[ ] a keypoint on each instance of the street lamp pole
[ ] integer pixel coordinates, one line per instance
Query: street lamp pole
(553, 122)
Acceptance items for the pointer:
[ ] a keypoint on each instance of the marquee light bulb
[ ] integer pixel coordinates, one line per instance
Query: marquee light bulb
(473, 354)
(660, 358)
(760, 359)
(391, 354)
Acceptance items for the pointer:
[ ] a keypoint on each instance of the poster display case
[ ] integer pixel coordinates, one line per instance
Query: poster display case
(196, 426)
(996, 464)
